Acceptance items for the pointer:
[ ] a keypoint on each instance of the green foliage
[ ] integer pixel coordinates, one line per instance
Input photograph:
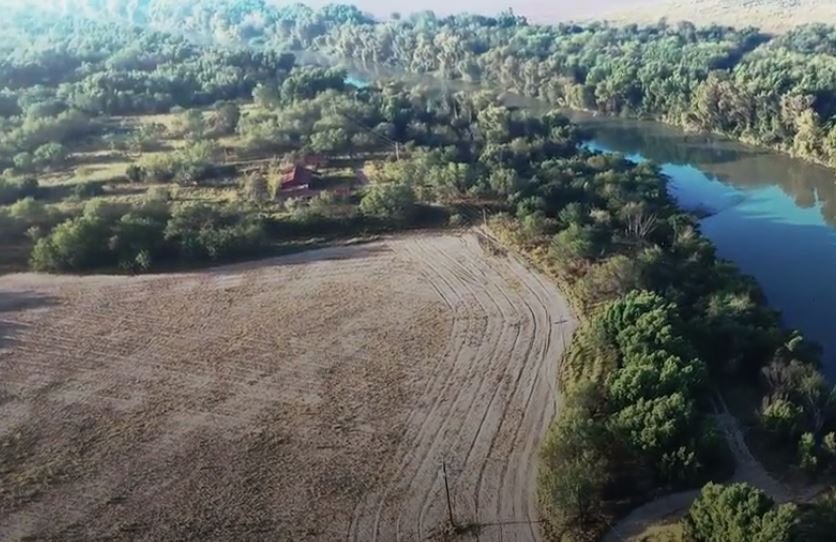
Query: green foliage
(655, 375)
(782, 418)
(658, 425)
(576, 243)
(134, 239)
(646, 323)
(74, 245)
(191, 124)
(799, 400)
(807, 453)
(49, 155)
(255, 189)
(613, 278)
(389, 201)
(87, 189)
(135, 173)
(224, 120)
(575, 470)
(739, 513)
(186, 166)
(332, 141)
(12, 190)
(23, 162)
(201, 232)
(306, 83)
(505, 182)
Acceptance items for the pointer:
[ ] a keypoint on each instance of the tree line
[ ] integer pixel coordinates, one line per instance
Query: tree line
(667, 319)
(775, 91)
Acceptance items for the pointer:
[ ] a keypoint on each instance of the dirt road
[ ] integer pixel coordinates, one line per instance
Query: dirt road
(309, 397)
(747, 470)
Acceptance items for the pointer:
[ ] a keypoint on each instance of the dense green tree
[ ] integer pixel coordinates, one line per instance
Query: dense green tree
(783, 418)
(739, 513)
(50, 155)
(72, 246)
(576, 243)
(390, 201)
(256, 189)
(200, 232)
(224, 119)
(575, 457)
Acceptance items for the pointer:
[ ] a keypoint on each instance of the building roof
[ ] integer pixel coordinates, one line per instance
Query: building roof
(296, 177)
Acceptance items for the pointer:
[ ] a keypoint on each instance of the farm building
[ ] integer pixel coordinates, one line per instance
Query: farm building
(297, 178)
(297, 182)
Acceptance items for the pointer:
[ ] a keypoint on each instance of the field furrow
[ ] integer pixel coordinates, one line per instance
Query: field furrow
(310, 397)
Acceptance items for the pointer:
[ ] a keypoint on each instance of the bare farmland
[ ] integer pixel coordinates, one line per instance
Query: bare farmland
(309, 397)
(770, 15)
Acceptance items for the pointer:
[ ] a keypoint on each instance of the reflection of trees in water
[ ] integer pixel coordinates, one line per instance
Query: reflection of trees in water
(732, 163)
(828, 209)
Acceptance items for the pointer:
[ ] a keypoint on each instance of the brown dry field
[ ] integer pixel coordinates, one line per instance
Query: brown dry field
(308, 397)
(769, 15)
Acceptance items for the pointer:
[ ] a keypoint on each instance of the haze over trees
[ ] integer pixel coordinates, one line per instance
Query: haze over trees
(667, 320)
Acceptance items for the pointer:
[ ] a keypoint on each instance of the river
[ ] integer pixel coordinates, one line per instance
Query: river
(774, 216)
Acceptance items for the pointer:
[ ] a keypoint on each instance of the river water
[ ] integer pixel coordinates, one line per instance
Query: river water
(770, 214)
(774, 216)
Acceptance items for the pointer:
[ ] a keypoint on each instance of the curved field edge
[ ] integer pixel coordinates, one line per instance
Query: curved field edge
(583, 368)
(225, 403)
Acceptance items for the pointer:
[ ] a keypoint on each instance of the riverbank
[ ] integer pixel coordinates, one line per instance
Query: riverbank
(771, 215)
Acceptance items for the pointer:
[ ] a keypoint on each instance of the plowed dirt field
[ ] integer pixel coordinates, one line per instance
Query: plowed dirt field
(308, 397)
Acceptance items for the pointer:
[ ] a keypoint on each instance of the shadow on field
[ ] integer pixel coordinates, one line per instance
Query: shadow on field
(304, 254)
(13, 302)
(23, 301)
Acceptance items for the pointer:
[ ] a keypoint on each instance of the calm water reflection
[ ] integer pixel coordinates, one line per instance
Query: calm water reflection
(772, 215)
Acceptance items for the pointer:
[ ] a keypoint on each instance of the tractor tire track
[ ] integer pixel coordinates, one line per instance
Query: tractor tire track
(307, 397)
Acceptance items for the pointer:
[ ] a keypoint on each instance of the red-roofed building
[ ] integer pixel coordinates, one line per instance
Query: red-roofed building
(297, 178)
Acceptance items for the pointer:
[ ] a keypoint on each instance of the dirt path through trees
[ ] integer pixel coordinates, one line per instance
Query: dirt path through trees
(747, 469)
(309, 397)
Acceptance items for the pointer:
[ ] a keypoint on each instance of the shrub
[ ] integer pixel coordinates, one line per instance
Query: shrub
(389, 201)
(782, 418)
(188, 165)
(74, 245)
(610, 280)
(30, 212)
(739, 513)
(12, 190)
(88, 189)
(575, 469)
(23, 162)
(807, 453)
(576, 243)
(199, 231)
(50, 155)
(135, 173)
(255, 188)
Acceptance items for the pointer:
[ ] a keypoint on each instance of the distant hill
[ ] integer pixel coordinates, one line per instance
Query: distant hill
(770, 15)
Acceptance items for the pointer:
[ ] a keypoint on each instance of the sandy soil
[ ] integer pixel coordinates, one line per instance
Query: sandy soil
(310, 397)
